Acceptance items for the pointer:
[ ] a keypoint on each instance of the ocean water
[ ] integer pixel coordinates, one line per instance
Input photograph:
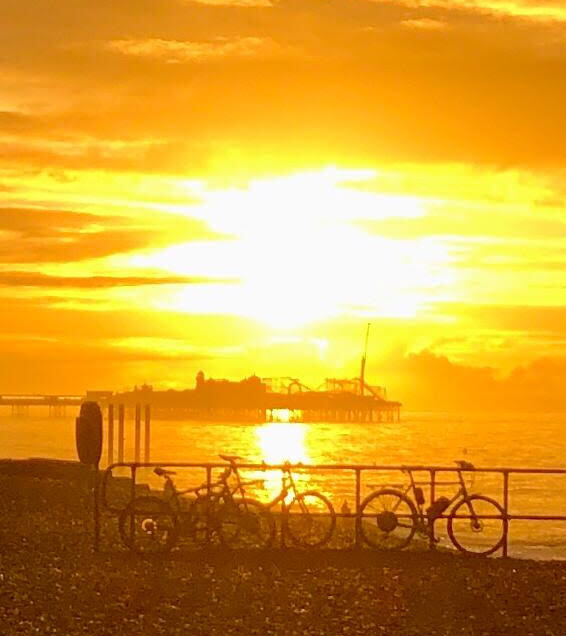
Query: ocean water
(488, 441)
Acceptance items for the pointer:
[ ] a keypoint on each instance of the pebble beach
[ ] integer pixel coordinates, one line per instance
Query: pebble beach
(52, 582)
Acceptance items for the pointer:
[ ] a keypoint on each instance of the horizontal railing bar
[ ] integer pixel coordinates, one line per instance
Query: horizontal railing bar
(364, 467)
(536, 517)
(408, 483)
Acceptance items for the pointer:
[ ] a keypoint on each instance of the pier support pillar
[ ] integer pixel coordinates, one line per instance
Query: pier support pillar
(137, 435)
(147, 445)
(110, 434)
(121, 433)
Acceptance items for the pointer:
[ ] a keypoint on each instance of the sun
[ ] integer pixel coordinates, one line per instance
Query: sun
(300, 253)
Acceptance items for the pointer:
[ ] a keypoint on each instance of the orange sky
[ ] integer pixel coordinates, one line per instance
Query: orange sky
(240, 186)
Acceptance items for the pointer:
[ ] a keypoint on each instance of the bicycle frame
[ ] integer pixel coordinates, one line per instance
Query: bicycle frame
(210, 494)
(287, 485)
(425, 522)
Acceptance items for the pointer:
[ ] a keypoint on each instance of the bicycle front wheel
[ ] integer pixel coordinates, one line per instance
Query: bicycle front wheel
(477, 525)
(310, 520)
(245, 523)
(388, 519)
(148, 525)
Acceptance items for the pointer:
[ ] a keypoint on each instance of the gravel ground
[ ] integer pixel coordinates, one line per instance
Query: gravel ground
(51, 582)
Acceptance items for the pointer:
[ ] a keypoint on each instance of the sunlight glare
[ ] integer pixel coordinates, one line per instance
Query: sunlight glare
(299, 253)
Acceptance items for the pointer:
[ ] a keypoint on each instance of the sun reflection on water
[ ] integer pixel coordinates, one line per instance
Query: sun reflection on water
(281, 442)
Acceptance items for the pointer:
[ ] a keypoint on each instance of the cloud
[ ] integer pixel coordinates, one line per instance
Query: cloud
(60, 236)
(236, 3)
(425, 380)
(510, 318)
(427, 24)
(174, 51)
(521, 9)
(31, 279)
(362, 88)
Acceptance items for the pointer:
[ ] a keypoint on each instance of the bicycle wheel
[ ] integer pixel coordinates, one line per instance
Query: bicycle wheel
(244, 523)
(477, 525)
(148, 525)
(388, 519)
(310, 520)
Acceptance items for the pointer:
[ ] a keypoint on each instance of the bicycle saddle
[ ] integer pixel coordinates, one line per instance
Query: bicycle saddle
(230, 458)
(161, 472)
(464, 465)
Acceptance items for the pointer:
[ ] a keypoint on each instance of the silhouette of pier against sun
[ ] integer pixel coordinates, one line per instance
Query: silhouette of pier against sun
(257, 399)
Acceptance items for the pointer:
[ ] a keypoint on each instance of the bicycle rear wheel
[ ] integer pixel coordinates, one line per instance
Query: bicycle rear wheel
(477, 525)
(148, 525)
(388, 519)
(310, 520)
(245, 523)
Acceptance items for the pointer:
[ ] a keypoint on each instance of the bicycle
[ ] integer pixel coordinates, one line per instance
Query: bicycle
(389, 518)
(309, 518)
(150, 524)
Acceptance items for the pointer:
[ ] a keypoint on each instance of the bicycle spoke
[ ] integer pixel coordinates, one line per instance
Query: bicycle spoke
(477, 525)
(310, 520)
(388, 519)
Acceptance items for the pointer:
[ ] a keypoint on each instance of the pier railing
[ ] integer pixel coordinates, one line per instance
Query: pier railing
(354, 486)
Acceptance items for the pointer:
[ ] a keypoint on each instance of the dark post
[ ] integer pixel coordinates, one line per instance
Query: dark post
(132, 498)
(88, 438)
(358, 502)
(207, 503)
(121, 433)
(137, 439)
(110, 434)
(147, 432)
(506, 513)
(431, 540)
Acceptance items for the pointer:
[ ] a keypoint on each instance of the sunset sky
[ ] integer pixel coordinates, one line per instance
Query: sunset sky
(241, 186)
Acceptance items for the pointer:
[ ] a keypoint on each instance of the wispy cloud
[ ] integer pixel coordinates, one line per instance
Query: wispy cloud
(176, 51)
(64, 236)
(236, 3)
(32, 279)
(544, 11)
(426, 24)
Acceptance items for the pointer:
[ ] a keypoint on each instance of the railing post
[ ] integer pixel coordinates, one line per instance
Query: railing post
(132, 497)
(506, 513)
(208, 499)
(431, 537)
(96, 511)
(358, 503)
(110, 440)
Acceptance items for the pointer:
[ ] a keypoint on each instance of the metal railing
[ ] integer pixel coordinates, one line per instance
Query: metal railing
(434, 482)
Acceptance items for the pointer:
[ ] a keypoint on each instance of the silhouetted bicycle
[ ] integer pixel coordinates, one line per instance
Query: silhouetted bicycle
(389, 518)
(309, 518)
(151, 524)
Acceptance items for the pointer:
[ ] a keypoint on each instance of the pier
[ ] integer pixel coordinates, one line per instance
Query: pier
(251, 399)
(267, 399)
(21, 404)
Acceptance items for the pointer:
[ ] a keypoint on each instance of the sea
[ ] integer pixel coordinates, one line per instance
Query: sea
(509, 440)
